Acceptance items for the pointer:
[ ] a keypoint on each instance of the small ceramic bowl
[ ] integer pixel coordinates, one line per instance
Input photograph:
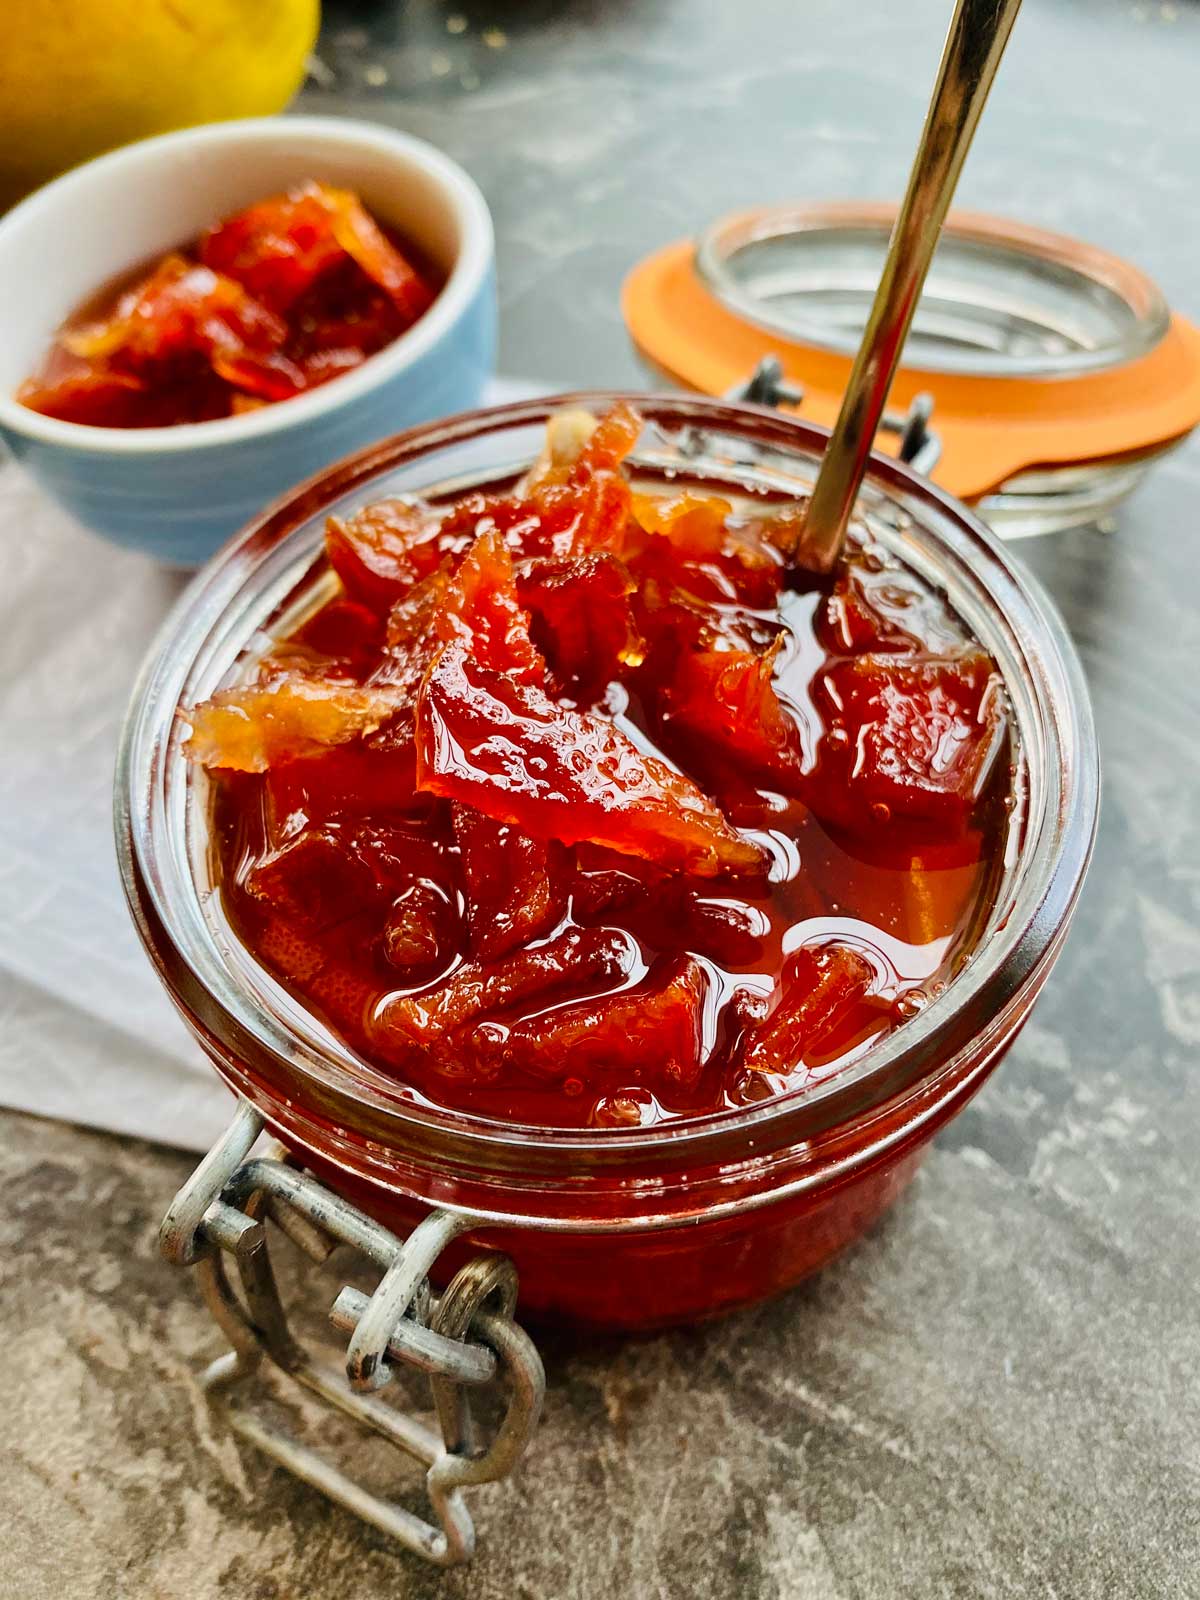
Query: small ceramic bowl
(177, 493)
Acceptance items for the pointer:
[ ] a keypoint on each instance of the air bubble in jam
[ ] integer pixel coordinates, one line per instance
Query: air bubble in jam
(580, 806)
(909, 1003)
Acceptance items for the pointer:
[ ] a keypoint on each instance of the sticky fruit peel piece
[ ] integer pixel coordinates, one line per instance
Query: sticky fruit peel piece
(652, 1032)
(725, 700)
(482, 611)
(819, 984)
(250, 728)
(511, 752)
(513, 884)
(909, 738)
(426, 1020)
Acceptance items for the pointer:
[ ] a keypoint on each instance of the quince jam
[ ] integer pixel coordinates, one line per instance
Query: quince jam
(578, 805)
(265, 305)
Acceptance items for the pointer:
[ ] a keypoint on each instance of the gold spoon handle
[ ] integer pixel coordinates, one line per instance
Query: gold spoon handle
(978, 34)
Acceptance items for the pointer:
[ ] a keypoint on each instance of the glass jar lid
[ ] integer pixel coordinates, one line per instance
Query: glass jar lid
(1041, 353)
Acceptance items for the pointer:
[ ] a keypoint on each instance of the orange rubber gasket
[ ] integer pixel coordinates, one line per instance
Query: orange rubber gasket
(991, 428)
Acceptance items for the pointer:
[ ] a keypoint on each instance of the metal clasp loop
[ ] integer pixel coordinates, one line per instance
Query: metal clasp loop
(462, 1339)
(919, 447)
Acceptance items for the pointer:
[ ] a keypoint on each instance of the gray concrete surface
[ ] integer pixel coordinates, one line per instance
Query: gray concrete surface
(995, 1395)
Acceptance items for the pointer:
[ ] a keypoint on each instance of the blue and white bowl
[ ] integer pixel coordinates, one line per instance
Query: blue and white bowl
(177, 493)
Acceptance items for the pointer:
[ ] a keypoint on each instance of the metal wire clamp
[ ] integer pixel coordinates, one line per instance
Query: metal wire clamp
(919, 446)
(462, 1339)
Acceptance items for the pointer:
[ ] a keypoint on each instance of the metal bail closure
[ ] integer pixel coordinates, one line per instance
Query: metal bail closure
(463, 1339)
(917, 445)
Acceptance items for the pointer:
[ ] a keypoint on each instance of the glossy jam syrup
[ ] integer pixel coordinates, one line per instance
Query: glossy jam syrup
(585, 806)
(264, 305)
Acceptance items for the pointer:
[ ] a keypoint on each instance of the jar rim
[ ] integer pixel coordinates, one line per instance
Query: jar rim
(1019, 301)
(1023, 631)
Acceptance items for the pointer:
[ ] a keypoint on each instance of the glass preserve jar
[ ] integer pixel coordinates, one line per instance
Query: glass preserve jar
(1048, 375)
(619, 1229)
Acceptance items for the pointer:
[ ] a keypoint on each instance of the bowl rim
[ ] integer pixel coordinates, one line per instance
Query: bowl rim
(466, 278)
(1055, 855)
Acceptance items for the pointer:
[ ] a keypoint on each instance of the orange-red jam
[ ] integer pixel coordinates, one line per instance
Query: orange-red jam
(580, 804)
(264, 305)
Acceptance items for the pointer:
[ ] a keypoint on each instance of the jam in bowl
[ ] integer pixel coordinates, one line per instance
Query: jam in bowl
(140, 433)
(262, 306)
(523, 831)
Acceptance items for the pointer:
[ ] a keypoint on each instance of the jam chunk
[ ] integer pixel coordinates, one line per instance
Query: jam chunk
(911, 738)
(260, 375)
(725, 702)
(652, 1032)
(582, 620)
(601, 520)
(419, 1021)
(94, 396)
(358, 779)
(727, 931)
(577, 483)
(420, 930)
(412, 636)
(317, 876)
(279, 248)
(610, 442)
(336, 989)
(181, 309)
(331, 869)
(603, 880)
(820, 983)
(514, 884)
(288, 717)
(383, 550)
(481, 610)
(578, 445)
(510, 751)
(530, 527)
(697, 543)
(343, 633)
(875, 608)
